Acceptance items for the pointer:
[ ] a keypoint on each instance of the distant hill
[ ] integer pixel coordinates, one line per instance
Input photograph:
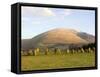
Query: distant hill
(87, 37)
(58, 38)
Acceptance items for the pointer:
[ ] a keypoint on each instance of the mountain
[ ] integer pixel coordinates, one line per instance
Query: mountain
(58, 38)
(87, 37)
(26, 44)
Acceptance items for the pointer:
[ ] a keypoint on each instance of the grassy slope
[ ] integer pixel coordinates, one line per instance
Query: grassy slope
(58, 61)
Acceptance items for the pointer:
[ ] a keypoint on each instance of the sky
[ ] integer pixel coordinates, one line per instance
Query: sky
(36, 20)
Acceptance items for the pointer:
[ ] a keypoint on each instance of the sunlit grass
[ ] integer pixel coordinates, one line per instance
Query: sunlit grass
(57, 61)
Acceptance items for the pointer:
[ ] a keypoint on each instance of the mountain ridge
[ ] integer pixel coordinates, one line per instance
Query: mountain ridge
(58, 37)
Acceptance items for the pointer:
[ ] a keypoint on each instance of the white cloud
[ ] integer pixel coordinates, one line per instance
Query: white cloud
(36, 11)
(41, 11)
(48, 12)
(67, 11)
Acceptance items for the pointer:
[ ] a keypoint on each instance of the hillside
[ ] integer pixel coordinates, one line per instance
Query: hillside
(58, 38)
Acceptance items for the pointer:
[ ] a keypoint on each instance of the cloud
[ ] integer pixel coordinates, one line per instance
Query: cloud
(49, 12)
(41, 11)
(67, 11)
(36, 11)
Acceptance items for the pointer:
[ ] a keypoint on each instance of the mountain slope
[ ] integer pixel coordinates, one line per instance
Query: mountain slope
(59, 37)
(87, 37)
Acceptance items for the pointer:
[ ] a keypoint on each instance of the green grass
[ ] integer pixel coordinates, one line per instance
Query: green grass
(57, 61)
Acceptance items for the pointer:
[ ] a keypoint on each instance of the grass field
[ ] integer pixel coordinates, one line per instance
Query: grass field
(57, 61)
